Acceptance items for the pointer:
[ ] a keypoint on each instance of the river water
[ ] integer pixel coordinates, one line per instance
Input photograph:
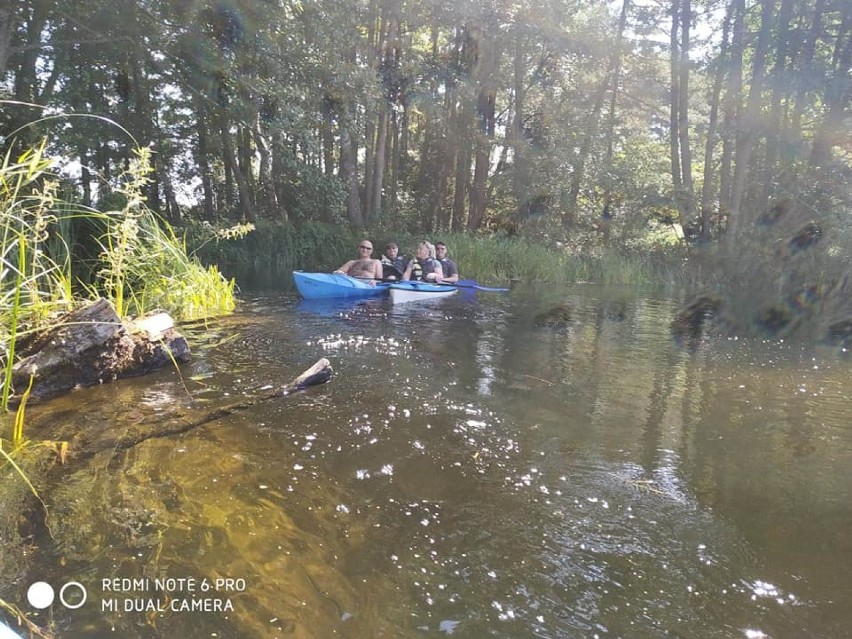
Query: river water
(467, 472)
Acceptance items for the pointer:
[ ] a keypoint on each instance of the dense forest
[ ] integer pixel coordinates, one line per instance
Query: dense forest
(560, 119)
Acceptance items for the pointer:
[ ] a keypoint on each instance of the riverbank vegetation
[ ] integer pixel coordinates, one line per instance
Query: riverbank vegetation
(57, 253)
(265, 258)
(583, 130)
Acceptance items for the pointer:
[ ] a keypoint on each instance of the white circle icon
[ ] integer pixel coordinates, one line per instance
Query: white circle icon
(73, 605)
(40, 595)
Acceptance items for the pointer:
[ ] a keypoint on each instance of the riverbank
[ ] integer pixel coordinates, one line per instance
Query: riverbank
(265, 258)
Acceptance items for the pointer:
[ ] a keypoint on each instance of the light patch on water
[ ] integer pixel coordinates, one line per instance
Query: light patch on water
(765, 590)
(337, 342)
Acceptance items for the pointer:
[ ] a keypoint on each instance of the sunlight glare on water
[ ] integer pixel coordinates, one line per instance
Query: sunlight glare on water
(468, 472)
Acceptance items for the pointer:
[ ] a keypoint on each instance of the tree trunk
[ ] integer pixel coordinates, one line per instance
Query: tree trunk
(837, 97)
(266, 197)
(91, 346)
(806, 65)
(85, 174)
(124, 439)
(779, 82)
(468, 57)
(606, 214)
(709, 150)
(483, 137)
(26, 78)
(202, 159)
(7, 27)
(278, 175)
(231, 167)
(732, 106)
(349, 174)
(515, 134)
(579, 169)
(687, 195)
(379, 166)
(749, 124)
(674, 105)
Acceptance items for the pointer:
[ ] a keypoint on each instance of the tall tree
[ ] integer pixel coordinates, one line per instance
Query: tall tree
(837, 95)
(679, 143)
(749, 125)
(708, 185)
(615, 83)
(8, 20)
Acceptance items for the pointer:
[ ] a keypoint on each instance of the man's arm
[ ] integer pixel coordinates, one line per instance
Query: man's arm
(452, 274)
(345, 268)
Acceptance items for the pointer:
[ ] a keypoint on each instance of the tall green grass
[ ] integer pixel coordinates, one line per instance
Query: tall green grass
(266, 258)
(141, 265)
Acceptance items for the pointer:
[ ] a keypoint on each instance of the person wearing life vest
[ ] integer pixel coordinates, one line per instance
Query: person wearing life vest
(393, 264)
(424, 267)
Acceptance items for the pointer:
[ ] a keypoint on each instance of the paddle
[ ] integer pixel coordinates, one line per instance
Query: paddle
(473, 284)
(460, 284)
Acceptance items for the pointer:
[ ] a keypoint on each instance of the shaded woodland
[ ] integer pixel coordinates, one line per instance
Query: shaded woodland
(567, 121)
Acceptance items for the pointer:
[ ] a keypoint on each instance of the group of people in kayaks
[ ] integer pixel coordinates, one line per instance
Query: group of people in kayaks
(429, 264)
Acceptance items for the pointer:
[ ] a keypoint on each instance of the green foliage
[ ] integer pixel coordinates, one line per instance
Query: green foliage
(146, 267)
(497, 259)
(142, 265)
(266, 258)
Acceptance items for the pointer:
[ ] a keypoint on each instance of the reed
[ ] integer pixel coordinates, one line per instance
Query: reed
(498, 258)
(142, 266)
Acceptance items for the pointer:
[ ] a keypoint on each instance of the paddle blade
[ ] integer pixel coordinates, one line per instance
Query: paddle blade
(473, 284)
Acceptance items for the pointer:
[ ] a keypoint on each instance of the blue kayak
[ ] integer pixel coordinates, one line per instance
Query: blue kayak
(315, 286)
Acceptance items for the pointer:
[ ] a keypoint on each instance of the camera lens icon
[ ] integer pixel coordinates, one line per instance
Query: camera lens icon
(72, 595)
(40, 595)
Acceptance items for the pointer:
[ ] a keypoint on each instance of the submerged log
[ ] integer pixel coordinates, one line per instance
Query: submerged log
(91, 346)
(319, 373)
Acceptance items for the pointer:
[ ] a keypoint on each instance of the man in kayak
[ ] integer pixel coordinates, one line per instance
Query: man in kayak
(393, 264)
(448, 266)
(424, 267)
(365, 267)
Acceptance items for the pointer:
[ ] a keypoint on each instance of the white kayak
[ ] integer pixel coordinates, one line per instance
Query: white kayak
(403, 292)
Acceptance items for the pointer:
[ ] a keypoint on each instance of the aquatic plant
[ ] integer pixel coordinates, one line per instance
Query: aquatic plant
(142, 265)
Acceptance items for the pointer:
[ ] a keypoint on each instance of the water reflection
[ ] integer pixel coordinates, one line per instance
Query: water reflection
(471, 472)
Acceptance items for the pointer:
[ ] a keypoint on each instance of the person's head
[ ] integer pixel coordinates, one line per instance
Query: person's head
(424, 250)
(440, 250)
(365, 248)
(391, 250)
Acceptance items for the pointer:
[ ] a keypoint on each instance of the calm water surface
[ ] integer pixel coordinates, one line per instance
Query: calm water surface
(465, 473)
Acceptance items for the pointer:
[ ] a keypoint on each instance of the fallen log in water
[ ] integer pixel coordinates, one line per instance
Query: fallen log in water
(317, 374)
(91, 346)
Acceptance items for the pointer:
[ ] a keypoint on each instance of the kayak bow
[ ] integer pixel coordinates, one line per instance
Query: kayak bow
(313, 286)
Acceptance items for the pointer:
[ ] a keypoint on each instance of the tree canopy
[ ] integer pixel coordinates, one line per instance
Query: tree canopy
(559, 118)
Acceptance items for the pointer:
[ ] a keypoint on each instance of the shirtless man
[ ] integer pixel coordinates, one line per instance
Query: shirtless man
(364, 267)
